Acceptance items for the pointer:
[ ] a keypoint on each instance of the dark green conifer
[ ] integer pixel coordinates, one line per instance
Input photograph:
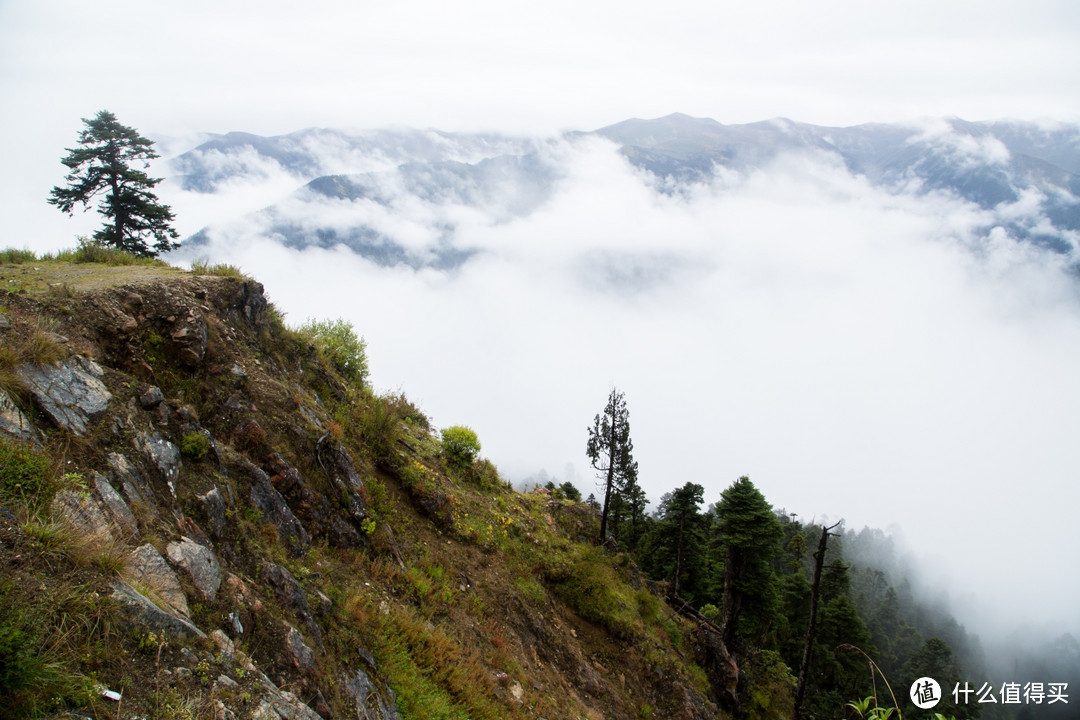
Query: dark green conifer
(611, 452)
(102, 165)
(750, 536)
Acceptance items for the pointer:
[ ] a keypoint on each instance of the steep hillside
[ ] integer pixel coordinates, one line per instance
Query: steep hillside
(201, 515)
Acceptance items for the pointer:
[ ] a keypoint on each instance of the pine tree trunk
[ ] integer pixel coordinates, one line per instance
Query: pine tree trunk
(610, 478)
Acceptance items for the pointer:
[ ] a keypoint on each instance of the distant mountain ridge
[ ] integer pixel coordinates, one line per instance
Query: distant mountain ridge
(992, 165)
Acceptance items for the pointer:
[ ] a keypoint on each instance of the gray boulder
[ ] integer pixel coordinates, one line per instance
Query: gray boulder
(135, 487)
(214, 507)
(300, 654)
(13, 421)
(282, 705)
(198, 563)
(115, 507)
(151, 398)
(371, 702)
(142, 612)
(226, 647)
(83, 512)
(275, 510)
(148, 568)
(162, 454)
(71, 392)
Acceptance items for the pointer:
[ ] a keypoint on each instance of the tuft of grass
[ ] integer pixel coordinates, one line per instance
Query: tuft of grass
(42, 350)
(13, 256)
(202, 266)
(433, 676)
(27, 345)
(54, 538)
(92, 251)
(25, 474)
(43, 637)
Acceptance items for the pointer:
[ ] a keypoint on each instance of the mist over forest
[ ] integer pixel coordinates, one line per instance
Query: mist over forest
(875, 323)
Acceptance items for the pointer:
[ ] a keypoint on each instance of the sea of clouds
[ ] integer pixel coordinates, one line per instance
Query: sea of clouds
(883, 355)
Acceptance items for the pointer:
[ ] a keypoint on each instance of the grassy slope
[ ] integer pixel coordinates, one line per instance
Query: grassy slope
(475, 601)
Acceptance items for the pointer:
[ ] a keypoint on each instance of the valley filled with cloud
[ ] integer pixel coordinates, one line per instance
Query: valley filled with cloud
(891, 344)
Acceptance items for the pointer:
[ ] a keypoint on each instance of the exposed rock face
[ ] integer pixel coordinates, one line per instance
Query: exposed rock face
(115, 507)
(134, 485)
(13, 421)
(144, 613)
(275, 510)
(161, 453)
(289, 591)
(334, 458)
(720, 666)
(147, 567)
(371, 703)
(189, 341)
(71, 392)
(199, 563)
(316, 511)
(83, 512)
(300, 654)
(281, 705)
(250, 301)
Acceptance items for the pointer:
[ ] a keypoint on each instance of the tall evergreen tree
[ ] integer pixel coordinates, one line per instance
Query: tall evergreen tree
(103, 164)
(749, 535)
(681, 529)
(611, 452)
(636, 520)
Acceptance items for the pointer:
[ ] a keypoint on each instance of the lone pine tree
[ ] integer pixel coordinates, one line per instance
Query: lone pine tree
(103, 164)
(611, 452)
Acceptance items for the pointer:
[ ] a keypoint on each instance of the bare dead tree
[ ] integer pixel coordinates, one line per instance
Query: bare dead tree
(811, 629)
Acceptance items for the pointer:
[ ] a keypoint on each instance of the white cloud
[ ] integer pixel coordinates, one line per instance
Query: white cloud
(841, 345)
(973, 150)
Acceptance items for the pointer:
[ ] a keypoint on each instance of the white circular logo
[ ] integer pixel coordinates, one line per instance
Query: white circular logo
(925, 693)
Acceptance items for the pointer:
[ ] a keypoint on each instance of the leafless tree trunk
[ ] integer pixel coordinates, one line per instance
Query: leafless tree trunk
(819, 562)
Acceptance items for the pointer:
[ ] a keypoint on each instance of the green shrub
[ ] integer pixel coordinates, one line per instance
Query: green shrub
(586, 581)
(194, 445)
(531, 590)
(710, 612)
(337, 342)
(570, 491)
(378, 426)
(460, 444)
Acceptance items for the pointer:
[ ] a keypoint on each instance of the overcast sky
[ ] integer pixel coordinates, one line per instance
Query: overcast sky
(173, 68)
(870, 372)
